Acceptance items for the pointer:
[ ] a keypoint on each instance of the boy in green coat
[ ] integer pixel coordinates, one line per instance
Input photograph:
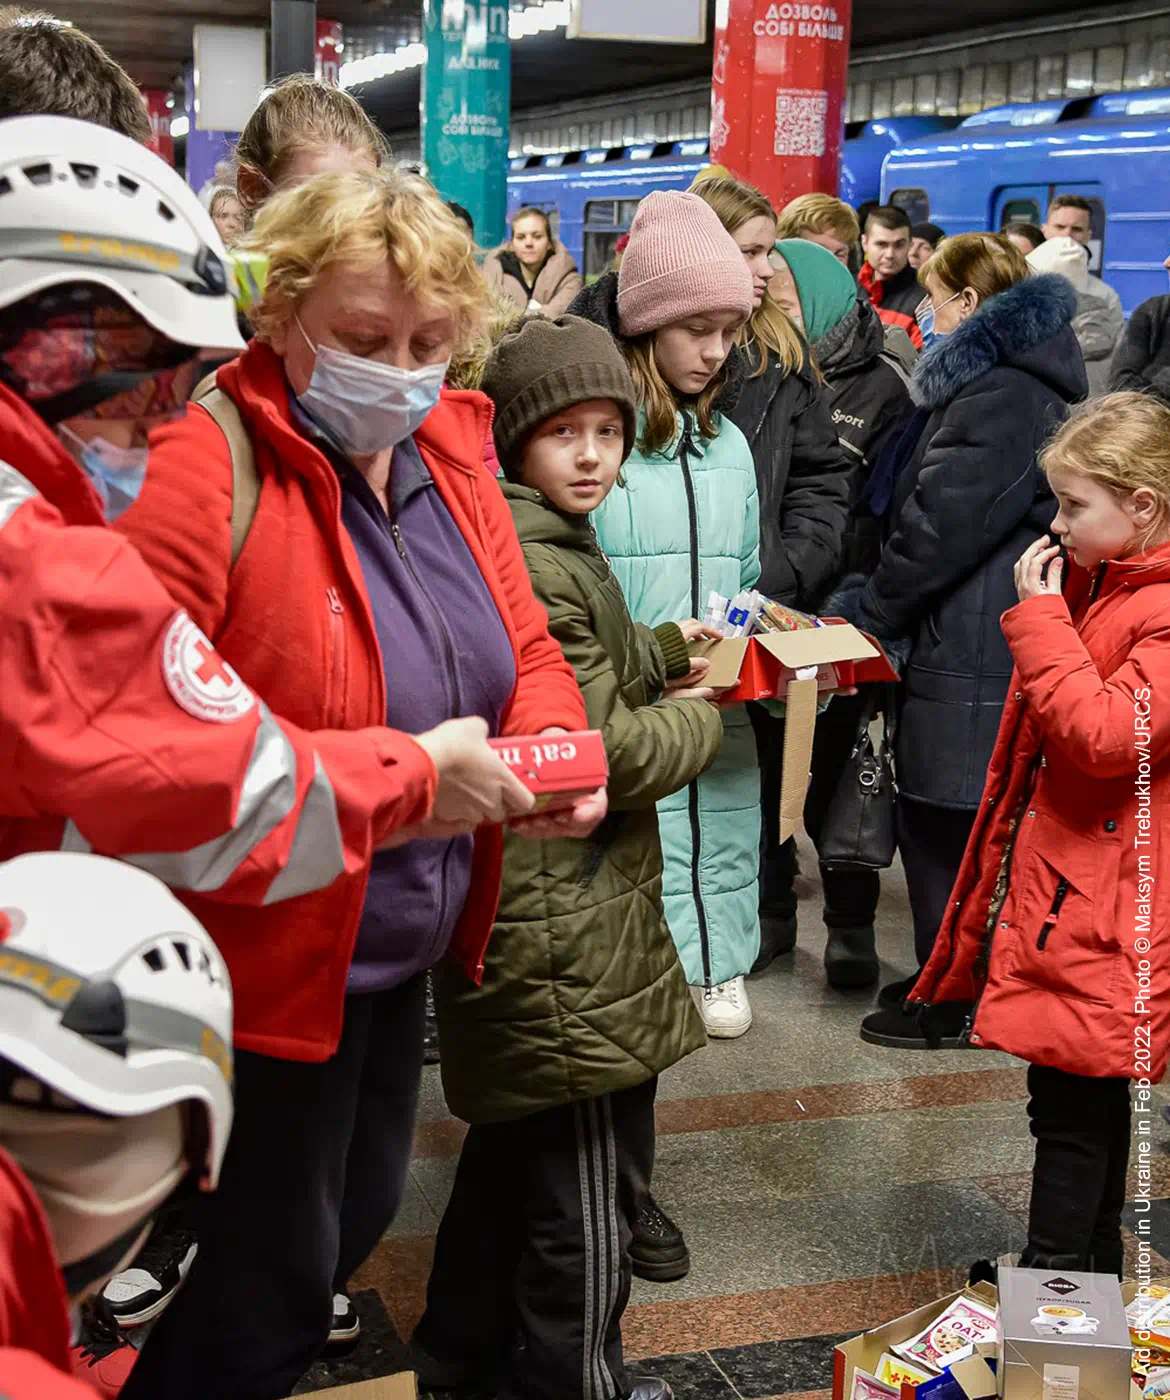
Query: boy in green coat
(554, 1059)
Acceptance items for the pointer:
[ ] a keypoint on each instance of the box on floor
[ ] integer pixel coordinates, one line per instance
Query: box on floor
(403, 1386)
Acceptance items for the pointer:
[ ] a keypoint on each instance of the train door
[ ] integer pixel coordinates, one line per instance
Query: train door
(1020, 204)
(1094, 192)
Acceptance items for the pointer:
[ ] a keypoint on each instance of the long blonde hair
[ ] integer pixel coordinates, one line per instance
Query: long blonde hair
(659, 402)
(1122, 441)
(736, 204)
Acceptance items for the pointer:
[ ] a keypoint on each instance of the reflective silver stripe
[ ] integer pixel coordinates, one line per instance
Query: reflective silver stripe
(14, 491)
(317, 857)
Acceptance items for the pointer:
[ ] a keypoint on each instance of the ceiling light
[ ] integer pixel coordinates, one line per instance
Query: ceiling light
(179, 126)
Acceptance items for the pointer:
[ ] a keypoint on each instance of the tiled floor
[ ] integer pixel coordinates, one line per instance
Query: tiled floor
(824, 1185)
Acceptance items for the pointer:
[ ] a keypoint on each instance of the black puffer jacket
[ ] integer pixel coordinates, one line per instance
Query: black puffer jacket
(803, 475)
(869, 396)
(1142, 361)
(968, 503)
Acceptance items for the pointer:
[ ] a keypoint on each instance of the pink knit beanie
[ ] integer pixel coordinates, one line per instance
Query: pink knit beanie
(681, 261)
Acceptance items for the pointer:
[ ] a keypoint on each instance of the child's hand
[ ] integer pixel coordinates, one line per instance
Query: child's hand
(1031, 581)
(703, 692)
(700, 665)
(692, 629)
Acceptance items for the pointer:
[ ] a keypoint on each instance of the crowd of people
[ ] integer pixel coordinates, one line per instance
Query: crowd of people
(266, 592)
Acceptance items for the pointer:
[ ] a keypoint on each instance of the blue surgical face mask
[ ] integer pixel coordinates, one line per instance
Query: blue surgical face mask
(117, 473)
(366, 405)
(926, 321)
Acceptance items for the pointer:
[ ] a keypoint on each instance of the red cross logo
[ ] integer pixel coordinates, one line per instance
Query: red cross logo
(213, 667)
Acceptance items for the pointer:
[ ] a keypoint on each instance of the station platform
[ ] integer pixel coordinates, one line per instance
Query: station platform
(824, 1186)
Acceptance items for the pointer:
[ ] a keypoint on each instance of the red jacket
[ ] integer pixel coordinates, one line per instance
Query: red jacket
(1083, 757)
(110, 740)
(34, 1315)
(295, 618)
(895, 307)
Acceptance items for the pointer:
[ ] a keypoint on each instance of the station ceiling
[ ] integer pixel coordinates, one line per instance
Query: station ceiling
(152, 39)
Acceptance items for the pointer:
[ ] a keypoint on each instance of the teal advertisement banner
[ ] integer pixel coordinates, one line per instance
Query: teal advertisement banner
(466, 97)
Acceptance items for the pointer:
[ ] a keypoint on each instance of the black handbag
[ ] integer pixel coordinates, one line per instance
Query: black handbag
(858, 831)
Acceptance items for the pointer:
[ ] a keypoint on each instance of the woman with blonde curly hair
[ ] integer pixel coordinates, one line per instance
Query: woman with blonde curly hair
(380, 582)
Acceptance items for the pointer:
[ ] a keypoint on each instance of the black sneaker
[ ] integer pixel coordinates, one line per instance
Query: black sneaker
(102, 1356)
(937, 1027)
(895, 993)
(140, 1293)
(658, 1251)
(346, 1331)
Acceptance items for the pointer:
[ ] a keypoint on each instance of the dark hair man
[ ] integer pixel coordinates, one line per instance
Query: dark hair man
(886, 275)
(463, 215)
(50, 69)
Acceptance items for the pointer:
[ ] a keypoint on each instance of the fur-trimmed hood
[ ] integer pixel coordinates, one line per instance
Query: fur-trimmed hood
(1028, 327)
(598, 303)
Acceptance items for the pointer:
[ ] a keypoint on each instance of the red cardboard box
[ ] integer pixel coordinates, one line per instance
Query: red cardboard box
(557, 768)
(760, 667)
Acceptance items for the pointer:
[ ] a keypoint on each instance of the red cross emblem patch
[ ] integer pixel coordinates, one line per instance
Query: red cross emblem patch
(200, 681)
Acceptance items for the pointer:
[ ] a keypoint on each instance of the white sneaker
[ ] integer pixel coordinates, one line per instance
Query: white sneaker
(725, 1009)
(347, 1328)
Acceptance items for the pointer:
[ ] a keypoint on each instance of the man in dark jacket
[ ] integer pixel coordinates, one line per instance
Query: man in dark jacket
(1142, 360)
(886, 275)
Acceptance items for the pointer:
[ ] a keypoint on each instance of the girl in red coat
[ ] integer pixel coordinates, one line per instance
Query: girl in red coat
(1056, 930)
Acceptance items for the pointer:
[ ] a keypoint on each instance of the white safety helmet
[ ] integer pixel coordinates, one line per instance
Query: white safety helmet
(79, 203)
(113, 995)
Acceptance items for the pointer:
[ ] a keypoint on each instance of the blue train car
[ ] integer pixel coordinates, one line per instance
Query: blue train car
(1004, 165)
(868, 143)
(592, 196)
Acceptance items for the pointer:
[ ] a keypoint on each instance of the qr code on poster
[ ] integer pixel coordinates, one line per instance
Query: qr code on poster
(800, 122)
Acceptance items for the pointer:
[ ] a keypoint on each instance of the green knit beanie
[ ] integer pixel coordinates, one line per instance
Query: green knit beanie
(825, 286)
(541, 367)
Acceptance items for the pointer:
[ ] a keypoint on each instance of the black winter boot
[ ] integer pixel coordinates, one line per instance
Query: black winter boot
(777, 937)
(658, 1251)
(851, 958)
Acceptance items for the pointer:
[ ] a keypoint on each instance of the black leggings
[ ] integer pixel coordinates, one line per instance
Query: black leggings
(1082, 1129)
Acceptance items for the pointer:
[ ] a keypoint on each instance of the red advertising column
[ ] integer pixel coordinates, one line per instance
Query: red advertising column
(162, 143)
(329, 43)
(777, 93)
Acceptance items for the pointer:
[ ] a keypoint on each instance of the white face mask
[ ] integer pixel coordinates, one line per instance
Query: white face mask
(368, 406)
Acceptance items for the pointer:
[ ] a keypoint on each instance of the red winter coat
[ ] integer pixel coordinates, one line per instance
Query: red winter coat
(93, 730)
(295, 618)
(1087, 898)
(34, 1315)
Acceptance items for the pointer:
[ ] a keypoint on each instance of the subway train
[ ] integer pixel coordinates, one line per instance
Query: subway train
(988, 170)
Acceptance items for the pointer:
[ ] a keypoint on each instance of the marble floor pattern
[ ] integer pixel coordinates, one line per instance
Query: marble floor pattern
(824, 1186)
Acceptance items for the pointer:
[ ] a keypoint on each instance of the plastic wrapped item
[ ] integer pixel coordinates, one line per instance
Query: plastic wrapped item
(868, 1387)
(716, 613)
(951, 1337)
(1157, 1383)
(744, 613)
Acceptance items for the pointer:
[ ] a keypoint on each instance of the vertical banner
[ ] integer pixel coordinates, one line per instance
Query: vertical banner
(205, 149)
(162, 143)
(778, 92)
(466, 95)
(329, 44)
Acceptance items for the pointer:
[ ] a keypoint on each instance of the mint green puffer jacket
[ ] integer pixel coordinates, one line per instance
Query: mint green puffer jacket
(685, 525)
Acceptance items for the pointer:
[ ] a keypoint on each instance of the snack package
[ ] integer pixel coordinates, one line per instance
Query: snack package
(744, 613)
(868, 1387)
(1155, 1318)
(1154, 1359)
(787, 619)
(716, 612)
(1157, 1383)
(1145, 1304)
(892, 1370)
(950, 1337)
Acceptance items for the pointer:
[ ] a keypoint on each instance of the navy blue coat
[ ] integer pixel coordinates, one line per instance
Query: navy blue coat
(968, 503)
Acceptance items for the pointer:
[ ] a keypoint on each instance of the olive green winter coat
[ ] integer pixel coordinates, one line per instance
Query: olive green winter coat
(582, 992)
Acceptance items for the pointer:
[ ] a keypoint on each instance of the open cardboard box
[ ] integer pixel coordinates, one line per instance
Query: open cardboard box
(865, 1351)
(764, 667)
(403, 1386)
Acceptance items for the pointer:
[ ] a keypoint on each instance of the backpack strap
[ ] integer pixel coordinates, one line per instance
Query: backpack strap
(245, 477)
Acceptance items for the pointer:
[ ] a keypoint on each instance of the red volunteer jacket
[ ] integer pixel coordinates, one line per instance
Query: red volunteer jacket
(121, 731)
(1083, 756)
(34, 1316)
(295, 618)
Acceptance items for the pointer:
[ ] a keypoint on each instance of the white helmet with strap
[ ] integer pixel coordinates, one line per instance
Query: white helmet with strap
(114, 997)
(79, 203)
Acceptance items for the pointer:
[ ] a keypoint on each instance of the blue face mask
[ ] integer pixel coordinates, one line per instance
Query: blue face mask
(117, 473)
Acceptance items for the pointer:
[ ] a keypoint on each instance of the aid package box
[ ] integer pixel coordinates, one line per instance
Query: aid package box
(558, 768)
(770, 652)
(937, 1352)
(1062, 1335)
(402, 1386)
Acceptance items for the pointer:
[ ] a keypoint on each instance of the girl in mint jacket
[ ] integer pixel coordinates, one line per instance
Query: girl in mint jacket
(685, 525)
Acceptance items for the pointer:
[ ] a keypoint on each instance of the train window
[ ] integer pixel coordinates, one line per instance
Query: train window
(1020, 211)
(601, 211)
(915, 202)
(598, 252)
(627, 208)
(947, 94)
